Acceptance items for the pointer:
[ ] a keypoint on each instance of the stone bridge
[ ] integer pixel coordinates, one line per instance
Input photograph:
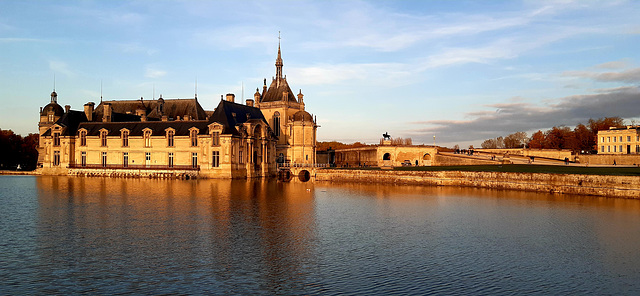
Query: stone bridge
(302, 172)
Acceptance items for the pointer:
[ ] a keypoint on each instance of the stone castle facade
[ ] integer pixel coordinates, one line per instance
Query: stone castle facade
(177, 137)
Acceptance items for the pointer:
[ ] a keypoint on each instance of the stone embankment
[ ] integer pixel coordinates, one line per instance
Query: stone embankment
(598, 185)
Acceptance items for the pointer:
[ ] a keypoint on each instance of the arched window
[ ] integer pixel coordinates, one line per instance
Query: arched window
(83, 138)
(386, 156)
(170, 135)
(103, 138)
(276, 123)
(147, 138)
(194, 138)
(125, 138)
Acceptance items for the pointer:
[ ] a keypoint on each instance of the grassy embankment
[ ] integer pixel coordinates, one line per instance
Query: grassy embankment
(522, 168)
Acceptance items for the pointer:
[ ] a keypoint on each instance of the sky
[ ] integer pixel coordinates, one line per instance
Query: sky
(462, 71)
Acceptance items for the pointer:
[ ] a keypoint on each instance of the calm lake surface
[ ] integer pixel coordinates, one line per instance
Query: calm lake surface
(65, 235)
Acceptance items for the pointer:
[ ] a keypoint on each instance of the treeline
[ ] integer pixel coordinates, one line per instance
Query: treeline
(17, 150)
(581, 138)
(324, 146)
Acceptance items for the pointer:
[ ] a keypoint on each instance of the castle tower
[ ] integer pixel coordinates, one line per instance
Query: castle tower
(294, 127)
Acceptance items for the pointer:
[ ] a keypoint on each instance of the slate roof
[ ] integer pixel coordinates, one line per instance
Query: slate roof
(277, 87)
(136, 128)
(154, 109)
(70, 121)
(230, 114)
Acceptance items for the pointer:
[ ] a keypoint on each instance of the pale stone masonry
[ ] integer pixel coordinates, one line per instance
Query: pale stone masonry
(619, 141)
(177, 137)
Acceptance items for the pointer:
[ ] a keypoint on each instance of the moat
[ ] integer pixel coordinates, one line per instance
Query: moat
(73, 235)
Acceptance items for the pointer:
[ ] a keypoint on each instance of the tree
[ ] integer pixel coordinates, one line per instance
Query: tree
(493, 143)
(537, 140)
(16, 150)
(605, 123)
(515, 140)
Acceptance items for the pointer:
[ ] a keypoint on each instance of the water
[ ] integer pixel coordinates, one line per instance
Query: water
(64, 235)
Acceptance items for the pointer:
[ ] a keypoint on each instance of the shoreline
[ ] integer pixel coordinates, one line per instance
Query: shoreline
(593, 185)
(19, 173)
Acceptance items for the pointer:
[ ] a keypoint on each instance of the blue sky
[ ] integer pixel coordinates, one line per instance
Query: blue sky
(464, 71)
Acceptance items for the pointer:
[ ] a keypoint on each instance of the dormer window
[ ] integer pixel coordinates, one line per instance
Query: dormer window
(147, 138)
(125, 138)
(103, 138)
(83, 138)
(170, 136)
(194, 137)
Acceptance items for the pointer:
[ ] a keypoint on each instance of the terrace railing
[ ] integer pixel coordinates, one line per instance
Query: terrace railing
(135, 167)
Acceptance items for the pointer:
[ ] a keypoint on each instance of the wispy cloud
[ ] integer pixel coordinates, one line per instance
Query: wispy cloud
(628, 76)
(135, 47)
(14, 40)
(61, 67)
(153, 72)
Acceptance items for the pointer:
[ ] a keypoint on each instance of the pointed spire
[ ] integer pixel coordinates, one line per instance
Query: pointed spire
(279, 61)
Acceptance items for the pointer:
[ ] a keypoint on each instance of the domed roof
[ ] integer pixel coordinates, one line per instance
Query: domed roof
(57, 109)
(302, 116)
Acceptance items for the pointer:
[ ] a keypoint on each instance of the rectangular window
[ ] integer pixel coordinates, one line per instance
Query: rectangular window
(83, 158)
(215, 162)
(103, 139)
(147, 158)
(602, 139)
(637, 148)
(602, 148)
(608, 148)
(170, 159)
(56, 139)
(240, 157)
(614, 139)
(125, 139)
(194, 138)
(170, 135)
(608, 139)
(628, 138)
(620, 138)
(215, 139)
(83, 138)
(147, 138)
(125, 159)
(194, 160)
(620, 148)
(56, 158)
(615, 148)
(104, 159)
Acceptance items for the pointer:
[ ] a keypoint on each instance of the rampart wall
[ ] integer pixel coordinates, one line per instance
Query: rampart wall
(609, 186)
(600, 159)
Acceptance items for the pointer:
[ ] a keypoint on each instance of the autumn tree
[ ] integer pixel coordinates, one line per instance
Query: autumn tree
(537, 140)
(515, 140)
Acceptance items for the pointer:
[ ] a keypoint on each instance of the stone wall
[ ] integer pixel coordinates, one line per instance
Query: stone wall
(446, 160)
(630, 159)
(610, 186)
(545, 153)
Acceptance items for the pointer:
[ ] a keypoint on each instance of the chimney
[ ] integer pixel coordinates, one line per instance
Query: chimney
(106, 117)
(88, 111)
(264, 87)
(67, 108)
(231, 98)
(250, 102)
(141, 112)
